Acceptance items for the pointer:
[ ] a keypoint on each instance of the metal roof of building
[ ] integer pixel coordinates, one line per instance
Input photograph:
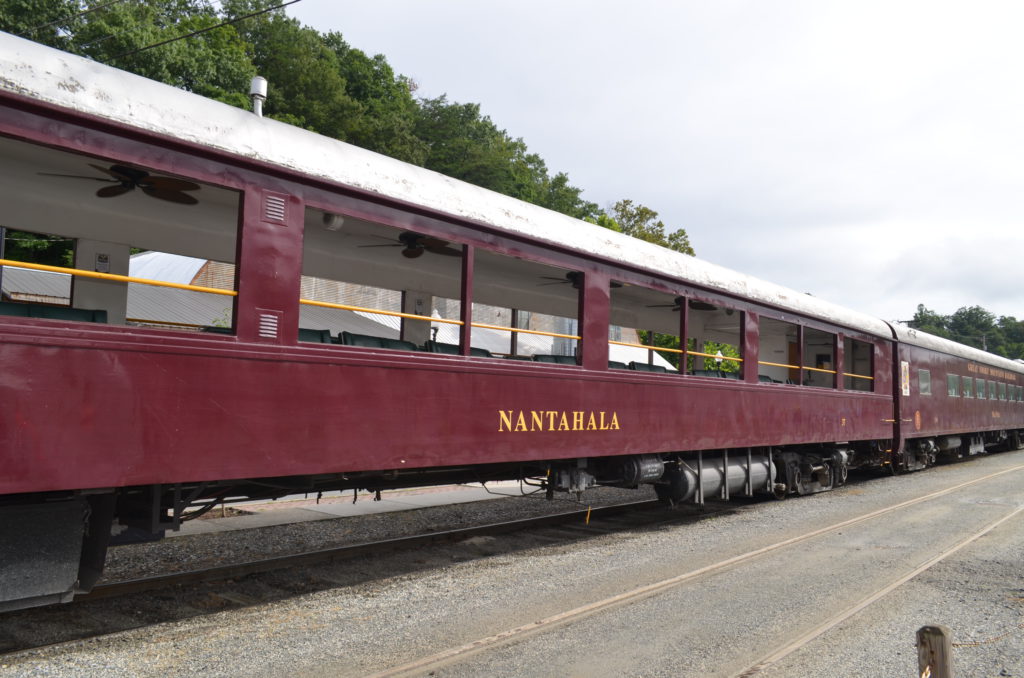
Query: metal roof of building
(22, 282)
(166, 267)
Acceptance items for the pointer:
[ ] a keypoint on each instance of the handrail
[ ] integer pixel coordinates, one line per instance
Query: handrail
(147, 321)
(413, 316)
(522, 331)
(715, 357)
(395, 314)
(113, 276)
(816, 369)
(646, 346)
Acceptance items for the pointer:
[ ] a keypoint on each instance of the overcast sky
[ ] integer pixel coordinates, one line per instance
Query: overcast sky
(869, 153)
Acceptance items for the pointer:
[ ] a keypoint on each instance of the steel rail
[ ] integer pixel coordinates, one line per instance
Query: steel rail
(445, 657)
(837, 619)
(141, 585)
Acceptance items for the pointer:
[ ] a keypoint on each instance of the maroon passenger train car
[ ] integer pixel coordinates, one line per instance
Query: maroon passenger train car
(373, 325)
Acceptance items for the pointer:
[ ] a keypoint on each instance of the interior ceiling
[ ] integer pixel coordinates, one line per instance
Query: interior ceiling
(69, 206)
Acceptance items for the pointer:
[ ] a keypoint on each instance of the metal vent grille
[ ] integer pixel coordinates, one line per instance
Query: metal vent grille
(273, 208)
(268, 326)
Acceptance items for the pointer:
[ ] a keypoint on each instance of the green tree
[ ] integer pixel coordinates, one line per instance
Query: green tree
(36, 248)
(929, 321)
(49, 22)
(642, 222)
(974, 326)
(213, 63)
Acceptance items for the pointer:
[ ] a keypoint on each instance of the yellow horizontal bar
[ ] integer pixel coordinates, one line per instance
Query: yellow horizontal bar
(163, 322)
(377, 311)
(857, 376)
(113, 276)
(716, 357)
(792, 367)
(516, 329)
(818, 369)
(651, 348)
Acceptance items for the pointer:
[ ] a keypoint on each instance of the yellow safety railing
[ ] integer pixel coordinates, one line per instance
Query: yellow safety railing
(413, 316)
(113, 276)
(377, 311)
(715, 357)
(645, 346)
(522, 331)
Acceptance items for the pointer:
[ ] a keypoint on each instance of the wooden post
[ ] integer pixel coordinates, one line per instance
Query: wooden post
(935, 652)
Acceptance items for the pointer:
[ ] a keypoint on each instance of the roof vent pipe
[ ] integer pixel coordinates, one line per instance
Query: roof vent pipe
(258, 94)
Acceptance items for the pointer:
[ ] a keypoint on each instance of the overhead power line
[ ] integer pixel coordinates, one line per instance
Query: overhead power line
(204, 30)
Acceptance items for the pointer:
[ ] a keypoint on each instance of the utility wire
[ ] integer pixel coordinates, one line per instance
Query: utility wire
(73, 16)
(204, 30)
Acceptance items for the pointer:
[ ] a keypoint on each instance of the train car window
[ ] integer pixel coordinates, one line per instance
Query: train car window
(968, 386)
(858, 365)
(779, 352)
(534, 308)
(980, 391)
(714, 340)
(924, 382)
(992, 390)
(1002, 391)
(644, 330)
(953, 385)
(819, 358)
(370, 285)
(170, 240)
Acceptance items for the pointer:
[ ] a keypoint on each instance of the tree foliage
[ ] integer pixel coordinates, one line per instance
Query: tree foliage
(319, 82)
(974, 326)
(642, 222)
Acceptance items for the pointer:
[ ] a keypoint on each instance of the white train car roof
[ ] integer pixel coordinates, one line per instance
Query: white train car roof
(71, 82)
(914, 337)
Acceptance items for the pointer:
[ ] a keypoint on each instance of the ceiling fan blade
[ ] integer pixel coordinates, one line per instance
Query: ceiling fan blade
(74, 176)
(394, 244)
(170, 196)
(168, 184)
(413, 252)
(117, 172)
(114, 191)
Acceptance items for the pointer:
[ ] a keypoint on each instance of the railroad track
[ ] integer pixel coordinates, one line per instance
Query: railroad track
(155, 599)
(427, 665)
(147, 584)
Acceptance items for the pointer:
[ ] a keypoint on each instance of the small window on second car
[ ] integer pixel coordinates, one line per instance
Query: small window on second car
(968, 383)
(992, 388)
(1002, 391)
(981, 388)
(924, 382)
(953, 385)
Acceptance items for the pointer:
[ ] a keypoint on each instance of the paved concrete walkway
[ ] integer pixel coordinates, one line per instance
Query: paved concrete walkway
(302, 508)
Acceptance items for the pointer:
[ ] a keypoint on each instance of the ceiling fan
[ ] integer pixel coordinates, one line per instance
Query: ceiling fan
(694, 304)
(414, 245)
(124, 179)
(574, 277)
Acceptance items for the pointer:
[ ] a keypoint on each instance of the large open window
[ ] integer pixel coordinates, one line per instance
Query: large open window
(114, 242)
(370, 285)
(859, 366)
(525, 310)
(779, 352)
(644, 330)
(714, 340)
